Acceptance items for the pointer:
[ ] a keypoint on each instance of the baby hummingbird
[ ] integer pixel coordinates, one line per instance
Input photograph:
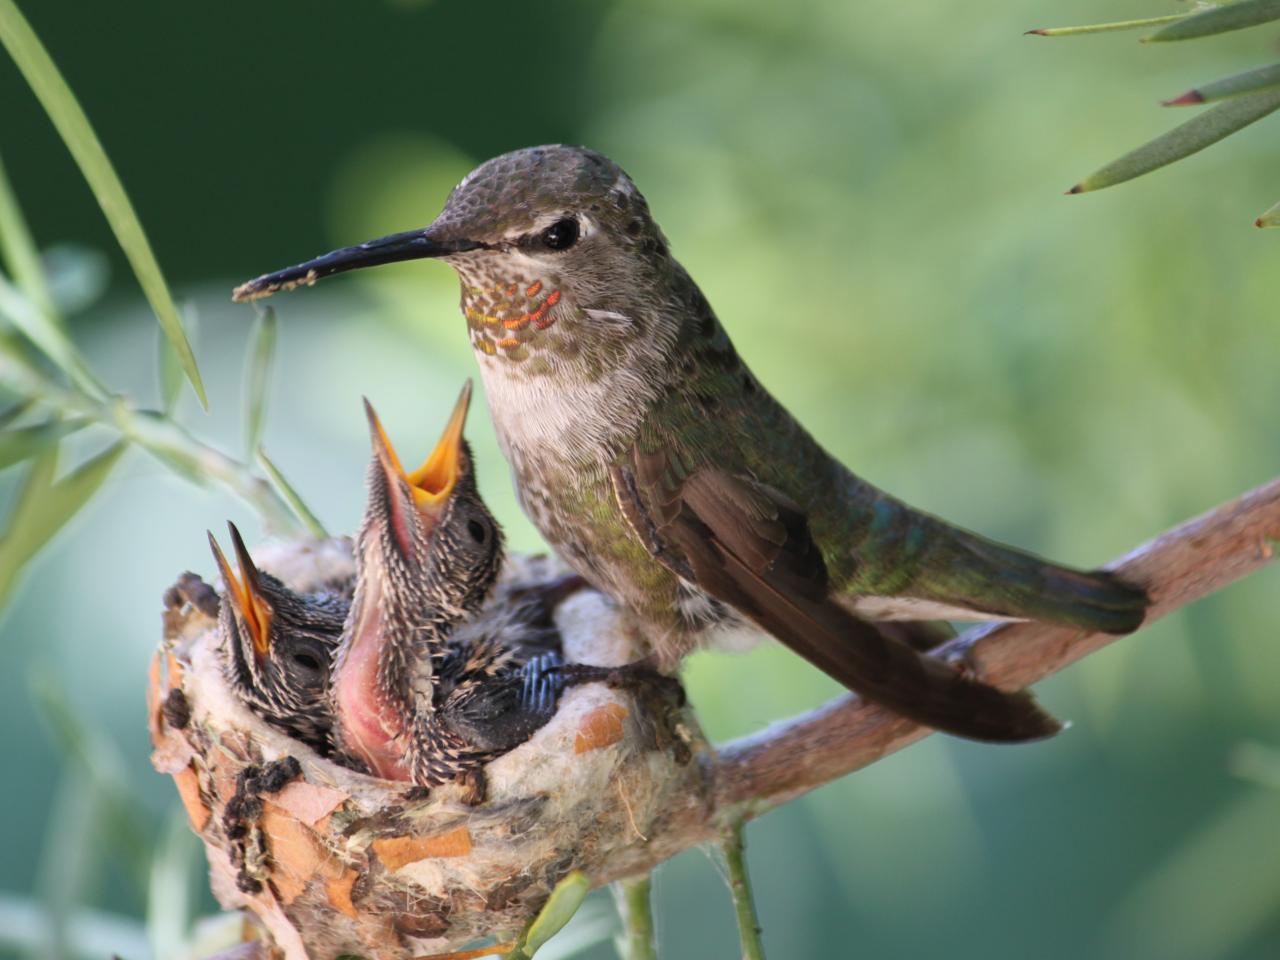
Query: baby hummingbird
(278, 646)
(419, 693)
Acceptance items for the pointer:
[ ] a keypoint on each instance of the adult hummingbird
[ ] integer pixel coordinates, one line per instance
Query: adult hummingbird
(277, 646)
(420, 693)
(662, 470)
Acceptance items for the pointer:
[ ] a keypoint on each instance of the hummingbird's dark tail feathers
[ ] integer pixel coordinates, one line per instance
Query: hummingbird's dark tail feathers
(892, 674)
(750, 547)
(997, 579)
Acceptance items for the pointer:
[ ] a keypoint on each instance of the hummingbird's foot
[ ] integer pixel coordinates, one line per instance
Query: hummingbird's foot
(640, 675)
(190, 590)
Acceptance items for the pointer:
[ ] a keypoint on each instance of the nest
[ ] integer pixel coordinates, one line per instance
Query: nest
(328, 861)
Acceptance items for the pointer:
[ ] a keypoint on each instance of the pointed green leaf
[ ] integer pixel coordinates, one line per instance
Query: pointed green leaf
(23, 443)
(262, 348)
(169, 367)
(169, 893)
(1105, 27)
(1271, 218)
(309, 520)
(15, 412)
(73, 126)
(123, 830)
(1221, 19)
(559, 909)
(47, 334)
(42, 508)
(1233, 86)
(1197, 133)
(19, 251)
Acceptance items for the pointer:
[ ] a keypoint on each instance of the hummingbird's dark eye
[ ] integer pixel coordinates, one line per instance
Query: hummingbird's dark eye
(307, 662)
(477, 531)
(561, 235)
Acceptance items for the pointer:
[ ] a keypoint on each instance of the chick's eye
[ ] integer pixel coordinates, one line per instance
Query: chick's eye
(307, 662)
(477, 531)
(561, 235)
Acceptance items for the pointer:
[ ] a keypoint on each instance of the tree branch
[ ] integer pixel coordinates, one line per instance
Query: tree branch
(754, 774)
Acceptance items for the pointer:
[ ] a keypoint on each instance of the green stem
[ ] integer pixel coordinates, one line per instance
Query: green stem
(160, 436)
(744, 904)
(633, 898)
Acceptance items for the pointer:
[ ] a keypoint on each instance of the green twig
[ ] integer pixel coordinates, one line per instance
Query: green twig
(633, 897)
(744, 904)
(309, 520)
(165, 439)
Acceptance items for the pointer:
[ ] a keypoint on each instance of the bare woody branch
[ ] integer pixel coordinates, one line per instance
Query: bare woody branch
(757, 773)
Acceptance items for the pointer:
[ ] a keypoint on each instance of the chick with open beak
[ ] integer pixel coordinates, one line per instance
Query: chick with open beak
(278, 646)
(417, 695)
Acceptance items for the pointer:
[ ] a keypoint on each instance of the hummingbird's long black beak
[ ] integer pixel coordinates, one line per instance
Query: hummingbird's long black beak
(411, 245)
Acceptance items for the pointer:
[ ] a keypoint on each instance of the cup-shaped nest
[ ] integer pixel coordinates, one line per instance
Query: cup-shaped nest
(330, 861)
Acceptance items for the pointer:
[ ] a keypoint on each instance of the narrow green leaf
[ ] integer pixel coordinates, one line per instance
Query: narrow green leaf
(1233, 86)
(21, 256)
(69, 118)
(1270, 218)
(70, 864)
(48, 335)
(12, 414)
(169, 367)
(122, 828)
(42, 508)
(169, 893)
(262, 349)
(1199, 132)
(22, 443)
(309, 519)
(1222, 19)
(1105, 27)
(94, 934)
(559, 909)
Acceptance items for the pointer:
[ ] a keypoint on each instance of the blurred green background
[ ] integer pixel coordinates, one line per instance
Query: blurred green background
(870, 195)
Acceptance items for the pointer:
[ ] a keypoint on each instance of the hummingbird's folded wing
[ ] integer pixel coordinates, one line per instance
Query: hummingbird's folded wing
(749, 546)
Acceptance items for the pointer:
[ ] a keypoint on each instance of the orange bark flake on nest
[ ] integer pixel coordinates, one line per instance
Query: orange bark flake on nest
(295, 853)
(602, 727)
(188, 785)
(396, 852)
(492, 951)
(153, 700)
(174, 676)
(338, 890)
(309, 802)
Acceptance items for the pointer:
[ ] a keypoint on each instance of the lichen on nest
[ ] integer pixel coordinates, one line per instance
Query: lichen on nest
(330, 861)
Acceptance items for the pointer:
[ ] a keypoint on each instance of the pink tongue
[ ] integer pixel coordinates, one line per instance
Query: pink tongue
(368, 728)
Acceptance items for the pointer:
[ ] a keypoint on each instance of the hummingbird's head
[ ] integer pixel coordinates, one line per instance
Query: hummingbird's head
(427, 536)
(552, 245)
(278, 644)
